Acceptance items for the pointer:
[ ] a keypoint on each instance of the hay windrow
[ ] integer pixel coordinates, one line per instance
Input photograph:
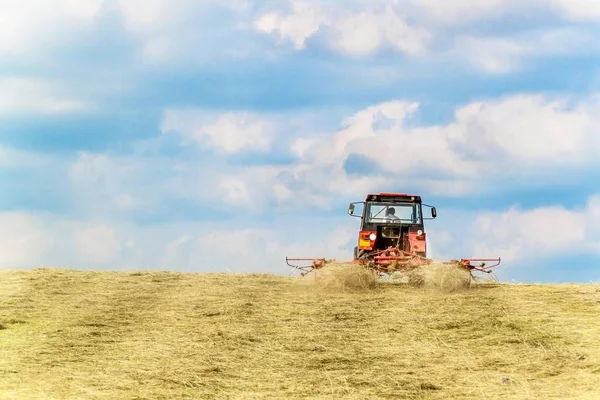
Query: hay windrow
(343, 277)
(123, 335)
(440, 277)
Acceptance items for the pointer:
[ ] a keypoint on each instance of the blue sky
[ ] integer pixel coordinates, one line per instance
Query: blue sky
(144, 134)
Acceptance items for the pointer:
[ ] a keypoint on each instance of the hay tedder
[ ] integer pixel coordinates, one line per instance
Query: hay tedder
(392, 238)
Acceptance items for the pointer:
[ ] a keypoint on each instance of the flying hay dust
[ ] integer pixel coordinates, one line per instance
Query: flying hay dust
(440, 277)
(343, 277)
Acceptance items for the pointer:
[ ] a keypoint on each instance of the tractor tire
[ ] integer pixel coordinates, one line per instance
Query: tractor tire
(356, 252)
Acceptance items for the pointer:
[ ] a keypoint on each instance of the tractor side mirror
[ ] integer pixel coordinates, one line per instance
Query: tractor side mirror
(351, 209)
(433, 212)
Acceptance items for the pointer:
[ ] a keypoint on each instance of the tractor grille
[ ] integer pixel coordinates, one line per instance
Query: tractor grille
(391, 232)
(392, 236)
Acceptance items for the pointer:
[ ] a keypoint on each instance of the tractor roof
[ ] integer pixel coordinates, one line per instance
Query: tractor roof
(400, 197)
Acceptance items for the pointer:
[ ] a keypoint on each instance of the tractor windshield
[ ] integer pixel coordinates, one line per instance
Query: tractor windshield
(407, 213)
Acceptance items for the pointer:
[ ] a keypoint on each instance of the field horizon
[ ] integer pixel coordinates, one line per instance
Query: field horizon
(68, 333)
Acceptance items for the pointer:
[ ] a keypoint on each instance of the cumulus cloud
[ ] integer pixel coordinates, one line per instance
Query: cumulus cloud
(229, 132)
(168, 29)
(519, 236)
(578, 10)
(255, 249)
(20, 95)
(496, 143)
(456, 12)
(32, 24)
(97, 244)
(23, 240)
(32, 240)
(531, 130)
(106, 184)
(525, 239)
(297, 27)
(510, 53)
(516, 138)
(438, 31)
(501, 142)
(352, 32)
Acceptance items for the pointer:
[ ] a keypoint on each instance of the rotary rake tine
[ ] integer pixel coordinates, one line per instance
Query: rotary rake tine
(315, 263)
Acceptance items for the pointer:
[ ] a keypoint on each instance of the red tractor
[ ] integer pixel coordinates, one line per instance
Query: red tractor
(392, 236)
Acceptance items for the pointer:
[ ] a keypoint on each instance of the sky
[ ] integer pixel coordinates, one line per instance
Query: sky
(223, 136)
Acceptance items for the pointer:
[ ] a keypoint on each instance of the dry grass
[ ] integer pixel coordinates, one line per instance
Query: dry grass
(341, 277)
(440, 277)
(118, 335)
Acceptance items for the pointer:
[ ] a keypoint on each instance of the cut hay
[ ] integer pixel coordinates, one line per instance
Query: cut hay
(440, 277)
(157, 335)
(344, 277)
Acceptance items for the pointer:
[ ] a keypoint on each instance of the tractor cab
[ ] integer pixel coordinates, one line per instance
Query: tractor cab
(391, 220)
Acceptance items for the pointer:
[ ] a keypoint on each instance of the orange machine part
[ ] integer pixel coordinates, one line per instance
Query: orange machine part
(364, 241)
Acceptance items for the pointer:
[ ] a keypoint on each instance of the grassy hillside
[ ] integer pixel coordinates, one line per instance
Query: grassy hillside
(117, 335)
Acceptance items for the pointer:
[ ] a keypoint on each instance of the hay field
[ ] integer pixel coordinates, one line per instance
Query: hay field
(68, 334)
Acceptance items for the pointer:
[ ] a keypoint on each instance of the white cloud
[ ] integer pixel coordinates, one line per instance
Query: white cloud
(179, 31)
(23, 240)
(102, 171)
(167, 29)
(578, 10)
(523, 238)
(32, 240)
(155, 23)
(33, 24)
(126, 202)
(255, 249)
(236, 131)
(11, 158)
(507, 142)
(506, 54)
(353, 32)
(146, 16)
(230, 132)
(104, 184)
(24, 95)
(440, 31)
(149, 15)
(85, 10)
(511, 141)
(513, 129)
(304, 22)
(526, 235)
(517, 138)
(97, 244)
(456, 12)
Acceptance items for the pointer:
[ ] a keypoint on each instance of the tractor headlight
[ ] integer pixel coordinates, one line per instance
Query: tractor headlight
(372, 236)
(419, 232)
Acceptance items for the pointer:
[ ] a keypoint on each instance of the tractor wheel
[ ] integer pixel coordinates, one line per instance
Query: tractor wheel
(356, 252)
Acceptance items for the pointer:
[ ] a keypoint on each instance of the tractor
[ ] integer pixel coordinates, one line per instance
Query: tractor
(391, 221)
(392, 237)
